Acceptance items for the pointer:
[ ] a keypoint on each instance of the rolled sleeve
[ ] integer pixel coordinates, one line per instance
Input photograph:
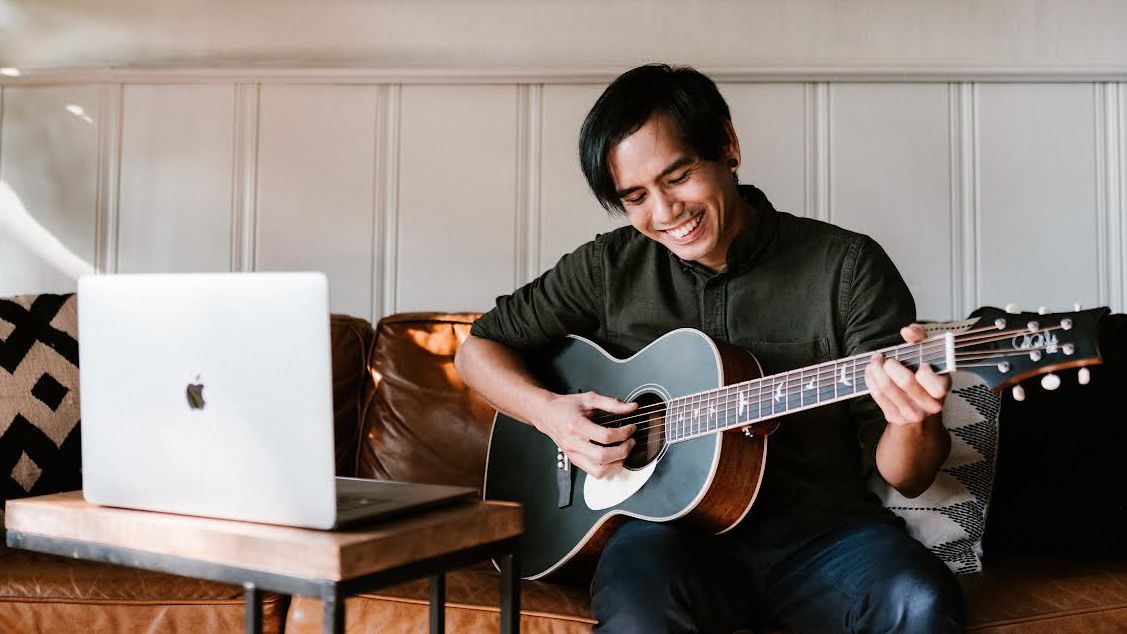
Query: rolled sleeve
(878, 305)
(567, 299)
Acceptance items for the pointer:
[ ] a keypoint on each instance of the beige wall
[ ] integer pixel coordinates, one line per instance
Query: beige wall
(423, 153)
(567, 34)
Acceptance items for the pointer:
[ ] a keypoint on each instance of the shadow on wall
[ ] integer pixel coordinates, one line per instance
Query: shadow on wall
(19, 226)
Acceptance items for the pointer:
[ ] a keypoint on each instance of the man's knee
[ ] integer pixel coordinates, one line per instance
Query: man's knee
(921, 599)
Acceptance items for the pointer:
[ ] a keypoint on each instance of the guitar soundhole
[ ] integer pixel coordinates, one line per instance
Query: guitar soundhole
(650, 436)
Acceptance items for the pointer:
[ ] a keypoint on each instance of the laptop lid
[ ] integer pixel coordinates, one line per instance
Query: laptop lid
(208, 394)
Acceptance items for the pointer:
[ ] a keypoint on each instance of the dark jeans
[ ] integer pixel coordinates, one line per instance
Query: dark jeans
(861, 576)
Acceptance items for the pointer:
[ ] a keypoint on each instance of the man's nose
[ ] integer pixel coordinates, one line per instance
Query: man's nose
(666, 209)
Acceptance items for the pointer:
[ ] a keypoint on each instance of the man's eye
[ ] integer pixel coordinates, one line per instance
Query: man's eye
(680, 179)
(636, 200)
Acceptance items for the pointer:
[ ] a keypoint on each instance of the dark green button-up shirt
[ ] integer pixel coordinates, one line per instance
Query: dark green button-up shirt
(795, 292)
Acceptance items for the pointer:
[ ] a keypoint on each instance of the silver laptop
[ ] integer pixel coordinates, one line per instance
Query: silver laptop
(211, 394)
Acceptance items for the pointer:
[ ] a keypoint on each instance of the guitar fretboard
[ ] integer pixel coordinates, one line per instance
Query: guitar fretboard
(741, 404)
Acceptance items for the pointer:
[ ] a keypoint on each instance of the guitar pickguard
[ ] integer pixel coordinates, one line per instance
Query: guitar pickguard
(603, 493)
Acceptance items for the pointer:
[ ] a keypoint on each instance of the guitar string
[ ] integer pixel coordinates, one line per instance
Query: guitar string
(721, 419)
(833, 366)
(728, 402)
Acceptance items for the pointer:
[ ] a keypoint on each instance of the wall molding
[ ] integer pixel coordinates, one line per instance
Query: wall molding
(385, 248)
(107, 212)
(818, 160)
(578, 75)
(244, 183)
(527, 217)
(1109, 194)
(964, 199)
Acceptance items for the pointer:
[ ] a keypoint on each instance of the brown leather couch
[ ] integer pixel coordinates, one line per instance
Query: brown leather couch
(403, 413)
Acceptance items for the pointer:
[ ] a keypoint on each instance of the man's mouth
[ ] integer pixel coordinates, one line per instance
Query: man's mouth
(685, 228)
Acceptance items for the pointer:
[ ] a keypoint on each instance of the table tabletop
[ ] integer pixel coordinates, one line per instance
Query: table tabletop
(294, 552)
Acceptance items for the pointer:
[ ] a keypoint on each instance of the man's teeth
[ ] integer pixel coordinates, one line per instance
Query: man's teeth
(683, 230)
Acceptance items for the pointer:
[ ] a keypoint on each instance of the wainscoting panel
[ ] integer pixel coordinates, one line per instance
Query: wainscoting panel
(457, 213)
(771, 121)
(316, 187)
(176, 178)
(1040, 241)
(48, 186)
(891, 179)
(569, 215)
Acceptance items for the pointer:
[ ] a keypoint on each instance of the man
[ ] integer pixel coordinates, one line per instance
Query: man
(817, 553)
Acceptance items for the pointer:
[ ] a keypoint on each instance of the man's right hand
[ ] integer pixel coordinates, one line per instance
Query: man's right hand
(567, 421)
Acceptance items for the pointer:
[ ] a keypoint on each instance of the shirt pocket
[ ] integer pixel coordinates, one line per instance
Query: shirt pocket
(775, 357)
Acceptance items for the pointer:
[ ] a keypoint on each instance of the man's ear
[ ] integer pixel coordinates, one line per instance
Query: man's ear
(732, 156)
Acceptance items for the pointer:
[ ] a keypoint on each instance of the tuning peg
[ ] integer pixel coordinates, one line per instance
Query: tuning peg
(1068, 348)
(1035, 355)
(1019, 393)
(1083, 376)
(1050, 382)
(1004, 367)
(1012, 309)
(1044, 310)
(1076, 307)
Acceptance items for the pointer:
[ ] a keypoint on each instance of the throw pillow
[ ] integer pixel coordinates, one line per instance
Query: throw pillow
(950, 517)
(39, 412)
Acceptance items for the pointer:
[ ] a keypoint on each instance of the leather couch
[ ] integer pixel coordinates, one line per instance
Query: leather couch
(403, 413)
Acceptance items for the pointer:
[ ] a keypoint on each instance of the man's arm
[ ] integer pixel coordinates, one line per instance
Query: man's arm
(499, 375)
(914, 443)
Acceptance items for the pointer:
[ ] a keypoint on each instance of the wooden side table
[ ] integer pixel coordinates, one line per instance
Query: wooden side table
(330, 565)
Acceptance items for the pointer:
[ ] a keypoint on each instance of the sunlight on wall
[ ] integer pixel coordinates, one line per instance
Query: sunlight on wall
(18, 225)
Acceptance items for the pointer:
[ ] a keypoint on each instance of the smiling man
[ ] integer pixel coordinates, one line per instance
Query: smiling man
(817, 553)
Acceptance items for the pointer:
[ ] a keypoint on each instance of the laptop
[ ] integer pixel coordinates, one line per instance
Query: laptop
(211, 394)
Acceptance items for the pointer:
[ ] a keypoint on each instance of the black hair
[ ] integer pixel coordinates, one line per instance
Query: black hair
(689, 98)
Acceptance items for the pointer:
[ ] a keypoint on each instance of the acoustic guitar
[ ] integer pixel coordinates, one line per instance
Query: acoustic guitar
(704, 418)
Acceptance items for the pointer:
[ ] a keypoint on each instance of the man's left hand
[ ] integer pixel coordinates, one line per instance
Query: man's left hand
(906, 397)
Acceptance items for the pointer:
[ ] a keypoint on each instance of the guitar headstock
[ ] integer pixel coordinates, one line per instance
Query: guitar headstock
(1003, 348)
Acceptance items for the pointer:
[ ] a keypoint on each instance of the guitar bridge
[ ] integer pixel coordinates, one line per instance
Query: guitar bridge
(563, 479)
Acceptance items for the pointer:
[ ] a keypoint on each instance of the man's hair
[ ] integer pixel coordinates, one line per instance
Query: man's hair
(690, 99)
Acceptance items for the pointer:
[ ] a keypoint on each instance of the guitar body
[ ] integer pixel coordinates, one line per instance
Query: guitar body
(710, 481)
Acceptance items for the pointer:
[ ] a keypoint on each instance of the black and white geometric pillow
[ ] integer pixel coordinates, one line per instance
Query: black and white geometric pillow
(950, 517)
(39, 411)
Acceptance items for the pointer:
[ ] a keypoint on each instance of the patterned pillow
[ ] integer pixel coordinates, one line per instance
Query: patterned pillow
(950, 517)
(39, 432)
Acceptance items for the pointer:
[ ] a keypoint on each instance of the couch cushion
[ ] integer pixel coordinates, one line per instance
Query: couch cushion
(39, 431)
(351, 344)
(472, 605)
(44, 593)
(422, 423)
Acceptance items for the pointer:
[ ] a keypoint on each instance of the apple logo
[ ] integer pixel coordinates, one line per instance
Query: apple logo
(195, 394)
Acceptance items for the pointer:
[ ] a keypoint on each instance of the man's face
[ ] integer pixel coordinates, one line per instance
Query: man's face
(689, 205)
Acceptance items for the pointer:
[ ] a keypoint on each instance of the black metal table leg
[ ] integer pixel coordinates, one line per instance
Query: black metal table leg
(438, 603)
(510, 591)
(332, 612)
(252, 598)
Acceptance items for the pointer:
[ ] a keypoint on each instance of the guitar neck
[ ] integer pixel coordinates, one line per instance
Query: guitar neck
(741, 404)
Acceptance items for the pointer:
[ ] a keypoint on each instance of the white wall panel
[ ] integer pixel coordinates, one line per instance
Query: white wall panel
(176, 178)
(569, 213)
(48, 187)
(1037, 195)
(457, 196)
(316, 186)
(890, 178)
(771, 123)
